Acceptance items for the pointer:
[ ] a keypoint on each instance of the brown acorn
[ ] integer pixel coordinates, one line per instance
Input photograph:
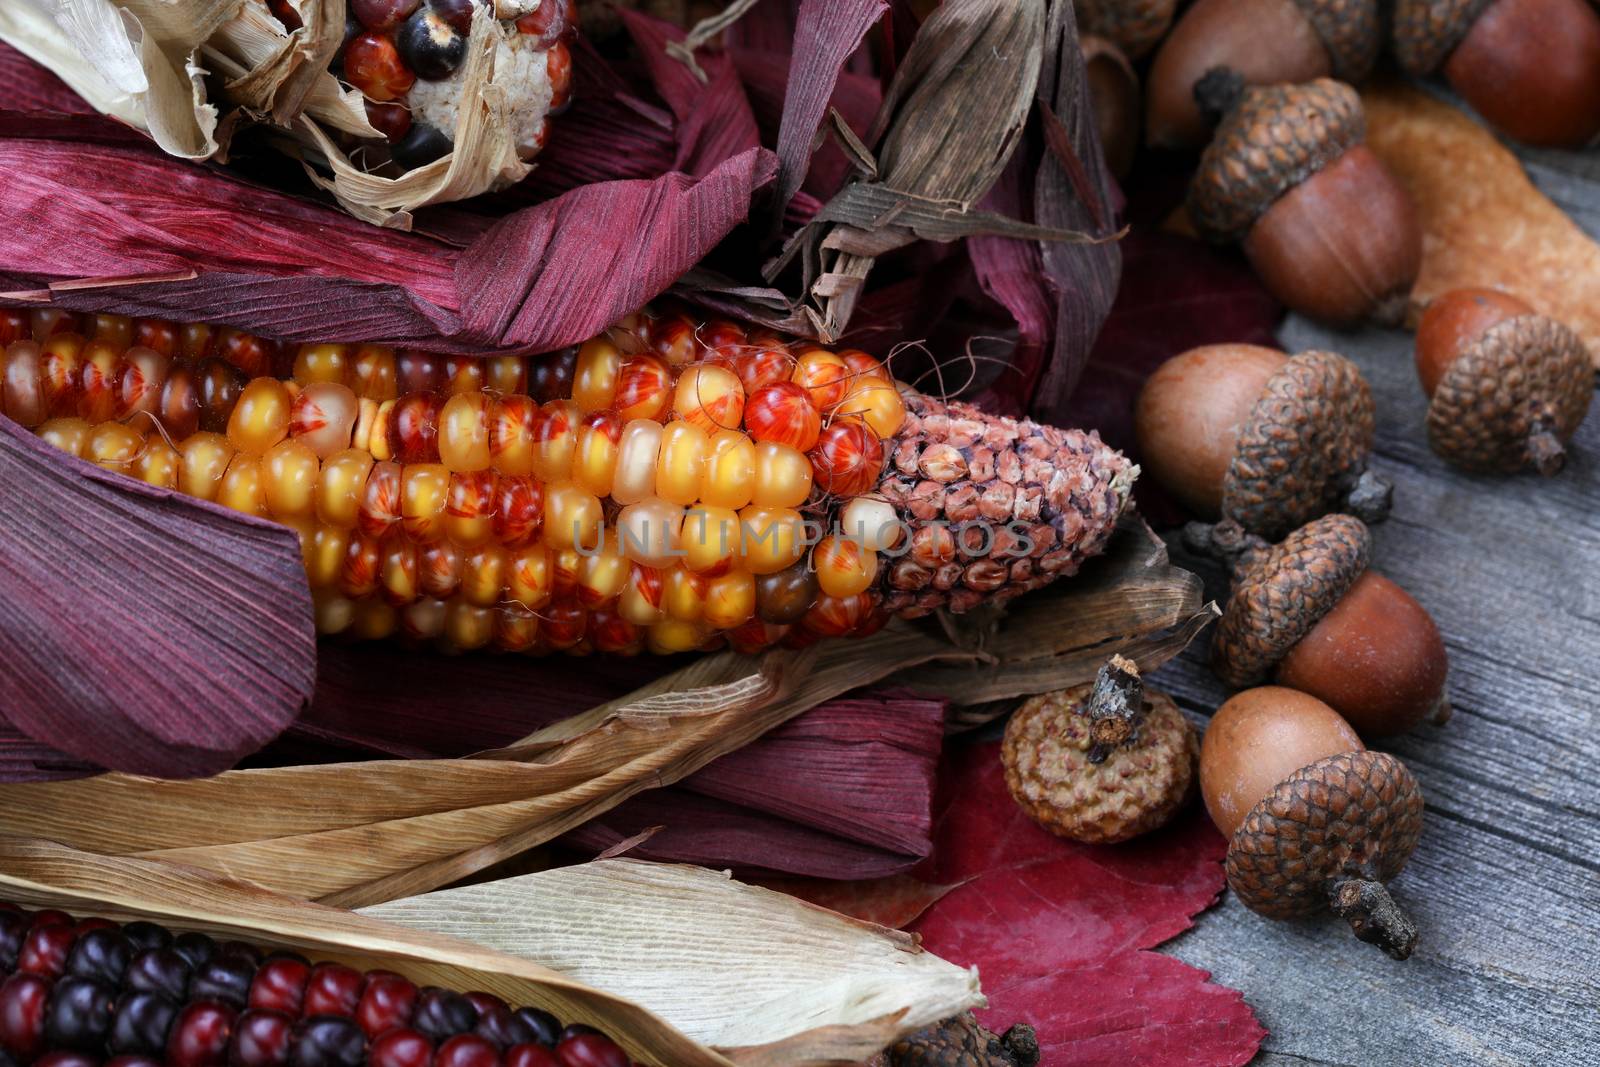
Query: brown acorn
(1258, 439)
(1330, 231)
(1132, 25)
(1100, 763)
(962, 1042)
(1531, 67)
(1508, 387)
(1114, 97)
(1310, 615)
(1266, 42)
(1314, 821)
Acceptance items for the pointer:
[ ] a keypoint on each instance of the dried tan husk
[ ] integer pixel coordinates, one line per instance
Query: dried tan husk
(143, 61)
(621, 921)
(400, 827)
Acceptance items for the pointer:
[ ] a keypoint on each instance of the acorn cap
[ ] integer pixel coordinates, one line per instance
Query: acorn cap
(1135, 26)
(962, 1042)
(1329, 836)
(1281, 593)
(1350, 31)
(1303, 451)
(1427, 31)
(1272, 139)
(1512, 398)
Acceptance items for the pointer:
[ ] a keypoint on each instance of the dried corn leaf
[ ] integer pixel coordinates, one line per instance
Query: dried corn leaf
(408, 826)
(607, 920)
(800, 968)
(1484, 223)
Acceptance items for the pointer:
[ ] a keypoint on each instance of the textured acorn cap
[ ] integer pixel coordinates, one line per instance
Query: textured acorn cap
(962, 1042)
(1512, 398)
(1427, 31)
(1350, 31)
(1273, 139)
(1329, 836)
(1304, 448)
(1281, 593)
(1135, 26)
(1049, 750)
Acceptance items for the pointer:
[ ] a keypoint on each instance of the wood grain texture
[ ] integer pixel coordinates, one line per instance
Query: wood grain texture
(1506, 883)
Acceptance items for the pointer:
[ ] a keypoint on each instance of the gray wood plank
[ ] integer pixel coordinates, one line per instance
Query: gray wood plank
(1506, 883)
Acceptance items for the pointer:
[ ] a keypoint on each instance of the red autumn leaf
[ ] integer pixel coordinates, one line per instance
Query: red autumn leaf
(1057, 929)
(895, 901)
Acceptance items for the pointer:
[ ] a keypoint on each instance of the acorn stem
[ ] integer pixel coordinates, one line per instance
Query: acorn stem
(1545, 451)
(1374, 916)
(1227, 542)
(1370, 498)
(1218, 92)
(1115, 706)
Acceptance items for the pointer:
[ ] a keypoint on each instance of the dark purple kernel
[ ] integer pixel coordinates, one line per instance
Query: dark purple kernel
(242, 950)
(159, 970)
(431, 46)
(421, 146)
(142, 935)
(79, 1015)
(328, 1041)
(142, 1024)
(197, 949)
(261, 1039)
(575, 1029)
(66, 1059)
(13, 928)
(442, 1014)
(226, 979)
(102, 954)
(541, 1027)
(132, 1061)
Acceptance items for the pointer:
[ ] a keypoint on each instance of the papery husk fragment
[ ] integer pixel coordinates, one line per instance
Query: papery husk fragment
(1484, 223)
(619, 920)
(401, 827)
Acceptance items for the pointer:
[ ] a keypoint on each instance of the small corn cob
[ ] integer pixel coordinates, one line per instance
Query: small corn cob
(81, 993)
(665, 485)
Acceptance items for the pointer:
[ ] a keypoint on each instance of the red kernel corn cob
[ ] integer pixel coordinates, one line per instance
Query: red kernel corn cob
(667, 485)
(79, 993)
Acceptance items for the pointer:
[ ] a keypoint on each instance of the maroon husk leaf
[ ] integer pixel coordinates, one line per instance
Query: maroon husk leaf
(22, 759)
(143, 630)
(30, 87)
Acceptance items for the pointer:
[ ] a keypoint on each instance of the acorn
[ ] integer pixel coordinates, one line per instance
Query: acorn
(1508, 387)
(1266, 42)
(1100, 763)
(1114, 99)
(1314, 821)
(962, 1042)
(1309, 614)
(1261, 440)
(1530, 67)
(1330, 231)
(1134, 26)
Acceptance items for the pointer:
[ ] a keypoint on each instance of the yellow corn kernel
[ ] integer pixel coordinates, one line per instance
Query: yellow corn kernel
(683, 594)
(650, 532)
(260, 419)
(372, 373)
(674, 635)
(530, 578)
(710, 538)
(462, 374)
(116, 330)
(97, 380)
(464, 432)
(114, 446)
(594, 379)
(511, 426)
(242, 486)
(322, 363)
(399, 572)
(635, 477)
(709, 396)
(729, 477)
(325, 418)
(640, 602)
(594, 466)
(424, 488)
(730, 600)
(467, 626)
(423, 620)
(770, 538)
(843, 567)
(341, 485)
(439, 567)
(69, 435)
(158, 464)
(334, 612)
(783, 476)
(555, 439)
(877, 402)
(205, 461)
(363, 567)
(292, 473)
(824, 375)
(325, 557)
(515, 630)
(572, 517)
(376, 439)
(505, 375)
(681, 461)
(602, 575)
(483, 580)
(469, 511)
(374, 620)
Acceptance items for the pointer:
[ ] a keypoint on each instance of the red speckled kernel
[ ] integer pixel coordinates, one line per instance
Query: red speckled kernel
(644, 389)
(23, 999)
(400, 1048)
(372, 64)
(414, 428)
(763, 365)
(824, 375)
(783, 413)
(200, 1036)
(393, 120)
(44, 953)
(334, 989)
(558, 65)
(280, 985)
(847, 459)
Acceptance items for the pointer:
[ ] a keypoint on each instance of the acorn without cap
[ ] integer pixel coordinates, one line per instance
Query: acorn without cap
(1266, 42)
(1314, 821)
(1508, 387)
(1330, 231)
(1132, 25)
(1531, 67)
(1257, 438)
(1309, 614)
(1114, 98)
(1100, 763)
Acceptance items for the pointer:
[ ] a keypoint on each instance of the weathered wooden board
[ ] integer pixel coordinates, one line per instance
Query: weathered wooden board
(1506, 883)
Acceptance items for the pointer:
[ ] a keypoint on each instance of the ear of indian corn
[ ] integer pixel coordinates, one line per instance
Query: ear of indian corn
(669, 485)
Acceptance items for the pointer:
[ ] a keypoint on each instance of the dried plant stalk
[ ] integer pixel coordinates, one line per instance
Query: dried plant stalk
(622, 920)
(401, 827)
